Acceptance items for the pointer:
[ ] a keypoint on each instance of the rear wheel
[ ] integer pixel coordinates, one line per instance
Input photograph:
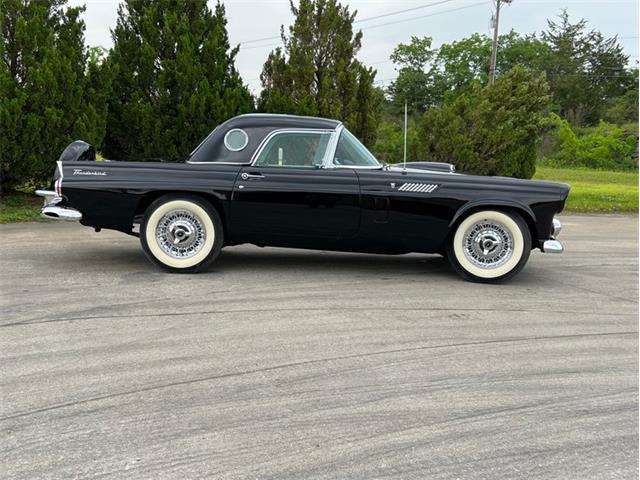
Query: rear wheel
(490, 246)
(181, 233)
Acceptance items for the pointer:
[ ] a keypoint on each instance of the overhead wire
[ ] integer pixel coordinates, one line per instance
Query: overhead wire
(384, 15)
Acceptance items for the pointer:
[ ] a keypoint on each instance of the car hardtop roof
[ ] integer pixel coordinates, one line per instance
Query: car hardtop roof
(275, 120)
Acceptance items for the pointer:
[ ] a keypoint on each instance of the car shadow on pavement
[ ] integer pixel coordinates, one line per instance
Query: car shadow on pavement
(272, 259)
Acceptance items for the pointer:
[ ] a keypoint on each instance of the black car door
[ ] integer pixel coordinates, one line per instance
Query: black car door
(286, 193)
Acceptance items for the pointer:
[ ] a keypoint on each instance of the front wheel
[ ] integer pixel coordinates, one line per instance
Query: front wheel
(181, 233)
(490, 246)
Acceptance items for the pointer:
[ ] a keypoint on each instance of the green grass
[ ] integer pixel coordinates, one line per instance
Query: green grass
(20, 208)
(595, 190)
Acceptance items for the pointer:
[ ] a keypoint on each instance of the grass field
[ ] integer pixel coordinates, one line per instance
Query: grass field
(595, 190)
(591, 191)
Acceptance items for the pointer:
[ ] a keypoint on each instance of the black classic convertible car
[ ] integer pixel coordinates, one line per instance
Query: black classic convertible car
(303, 182)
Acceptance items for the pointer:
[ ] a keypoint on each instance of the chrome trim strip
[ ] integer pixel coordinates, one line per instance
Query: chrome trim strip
(557, 227)
(217, 163)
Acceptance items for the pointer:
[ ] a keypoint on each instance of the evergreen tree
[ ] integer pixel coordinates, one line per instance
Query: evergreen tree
(174, 78)
(492, 130)
(43, 105)
(584, 69)
(316, 73)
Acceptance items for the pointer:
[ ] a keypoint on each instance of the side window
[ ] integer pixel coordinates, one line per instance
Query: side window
(294, 149)
(351, 152)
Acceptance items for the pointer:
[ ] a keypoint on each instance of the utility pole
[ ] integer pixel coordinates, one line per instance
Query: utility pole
(494, 47)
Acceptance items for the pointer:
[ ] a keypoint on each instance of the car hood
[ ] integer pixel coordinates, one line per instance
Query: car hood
(499, 182)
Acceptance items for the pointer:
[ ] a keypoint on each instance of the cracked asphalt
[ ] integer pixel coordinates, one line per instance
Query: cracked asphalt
(290, 364)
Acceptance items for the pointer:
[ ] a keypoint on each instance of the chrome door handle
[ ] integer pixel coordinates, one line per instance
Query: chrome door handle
(247, 176)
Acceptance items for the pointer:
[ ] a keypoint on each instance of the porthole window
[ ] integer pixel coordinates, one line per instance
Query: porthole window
(236, 139)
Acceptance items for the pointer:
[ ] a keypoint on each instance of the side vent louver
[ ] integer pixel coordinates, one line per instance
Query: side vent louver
(418, 187)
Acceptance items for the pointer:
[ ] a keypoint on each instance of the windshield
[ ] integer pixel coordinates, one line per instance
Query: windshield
(351, 153)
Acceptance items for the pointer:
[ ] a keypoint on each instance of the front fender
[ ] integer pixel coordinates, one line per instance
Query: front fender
(493, 203)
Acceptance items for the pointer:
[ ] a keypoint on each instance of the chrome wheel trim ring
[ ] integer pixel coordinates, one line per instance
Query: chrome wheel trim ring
(180, 234)
(488, 244)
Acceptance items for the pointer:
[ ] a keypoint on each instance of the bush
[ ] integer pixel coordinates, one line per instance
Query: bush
(389, 144)
(605, 147)
(490, 131)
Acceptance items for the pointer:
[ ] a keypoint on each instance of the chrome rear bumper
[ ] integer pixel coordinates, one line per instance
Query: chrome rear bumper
(52, 210)
(553, 245)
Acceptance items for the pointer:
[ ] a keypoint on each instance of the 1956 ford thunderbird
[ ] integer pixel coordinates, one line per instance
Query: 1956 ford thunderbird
(303, 182)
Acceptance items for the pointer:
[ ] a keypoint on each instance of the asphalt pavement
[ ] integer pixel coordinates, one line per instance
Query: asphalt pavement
(291, 364)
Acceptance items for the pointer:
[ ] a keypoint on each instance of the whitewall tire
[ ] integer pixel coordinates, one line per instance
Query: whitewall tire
(490, 246)
(181, 233)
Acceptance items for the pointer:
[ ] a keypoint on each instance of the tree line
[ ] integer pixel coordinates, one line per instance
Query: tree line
(170, 78)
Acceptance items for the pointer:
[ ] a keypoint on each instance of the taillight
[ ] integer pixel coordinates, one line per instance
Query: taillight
(57, 185)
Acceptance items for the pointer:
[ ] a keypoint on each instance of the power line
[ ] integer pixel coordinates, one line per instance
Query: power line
(426, 16)
(402, 11)
(372, 26)
(261, 46)
(388, 14)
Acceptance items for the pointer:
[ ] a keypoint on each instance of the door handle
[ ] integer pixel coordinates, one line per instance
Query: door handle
(247, 176)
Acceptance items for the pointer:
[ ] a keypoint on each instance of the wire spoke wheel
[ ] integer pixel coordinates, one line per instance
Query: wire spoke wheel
(181, 233)
(490, 246)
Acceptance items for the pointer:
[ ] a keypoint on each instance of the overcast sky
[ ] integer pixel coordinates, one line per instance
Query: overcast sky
(443, 20)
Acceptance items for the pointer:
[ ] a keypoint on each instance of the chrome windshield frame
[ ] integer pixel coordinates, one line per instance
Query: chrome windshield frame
(331, 153)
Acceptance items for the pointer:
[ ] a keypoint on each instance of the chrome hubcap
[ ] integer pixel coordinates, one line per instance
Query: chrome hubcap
(180, 234)
(488, 244)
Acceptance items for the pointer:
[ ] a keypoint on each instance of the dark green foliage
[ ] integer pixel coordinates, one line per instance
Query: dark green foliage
(316, 73)
(492, 130)
(624, 109)
(46, 82)
(584, 70)
(389, 145)
(174, 79)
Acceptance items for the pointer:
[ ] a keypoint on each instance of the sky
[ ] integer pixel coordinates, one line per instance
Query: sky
(443, 20)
